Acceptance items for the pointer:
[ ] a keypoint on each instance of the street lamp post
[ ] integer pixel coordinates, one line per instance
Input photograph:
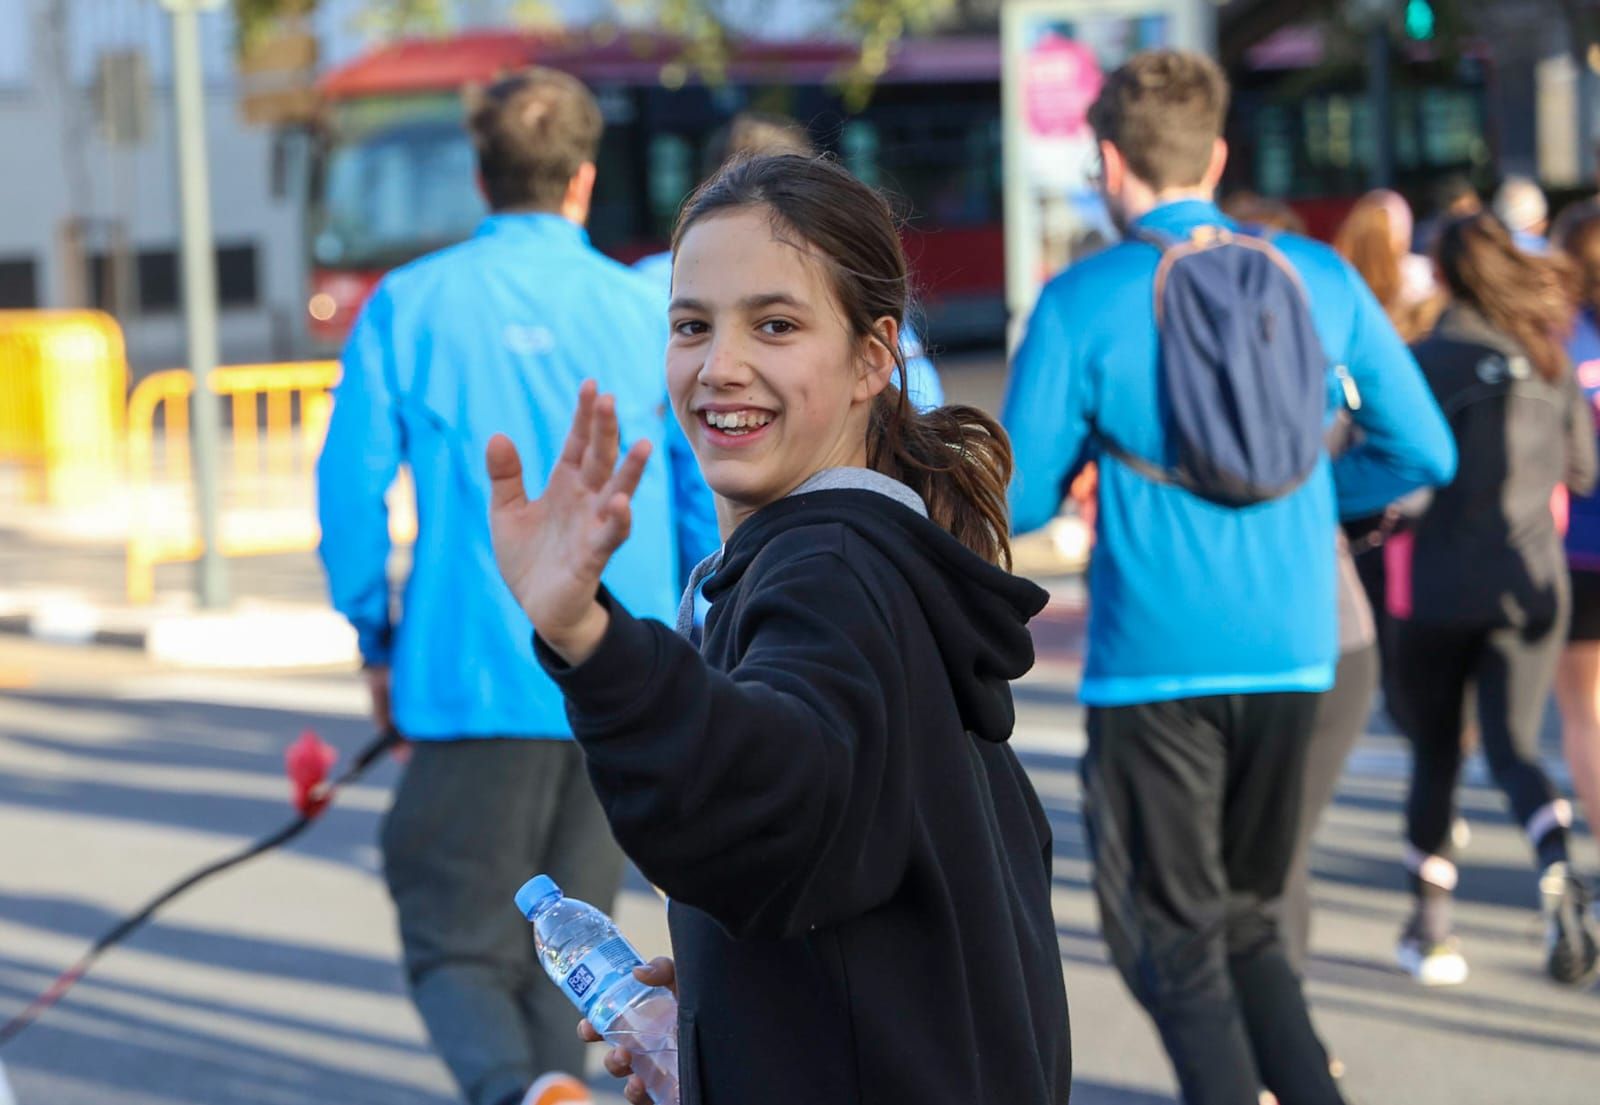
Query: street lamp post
(199, 283)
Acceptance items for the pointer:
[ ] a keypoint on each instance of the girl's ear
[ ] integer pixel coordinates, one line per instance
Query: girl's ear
(877, 358)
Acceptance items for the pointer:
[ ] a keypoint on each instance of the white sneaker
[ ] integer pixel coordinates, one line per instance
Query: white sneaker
(1437, 964)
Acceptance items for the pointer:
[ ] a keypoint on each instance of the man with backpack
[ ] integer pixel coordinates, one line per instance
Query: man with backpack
(1199, 368)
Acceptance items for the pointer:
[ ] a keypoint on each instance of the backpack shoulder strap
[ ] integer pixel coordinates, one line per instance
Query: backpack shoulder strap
(1174, 249)
(1263, 244)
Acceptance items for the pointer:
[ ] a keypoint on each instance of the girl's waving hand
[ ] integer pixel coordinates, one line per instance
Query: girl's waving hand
(551, 550)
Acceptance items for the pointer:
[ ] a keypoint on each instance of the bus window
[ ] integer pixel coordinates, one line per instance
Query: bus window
(858, 142)
(396, 192)
(671, 177)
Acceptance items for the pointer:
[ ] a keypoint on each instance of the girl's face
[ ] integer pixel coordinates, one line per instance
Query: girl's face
(766, 377)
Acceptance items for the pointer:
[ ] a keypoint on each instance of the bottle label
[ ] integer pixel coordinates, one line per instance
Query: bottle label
(598, 971)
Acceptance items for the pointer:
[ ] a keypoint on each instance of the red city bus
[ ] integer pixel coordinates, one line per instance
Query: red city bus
(394, 175)
(395, 172)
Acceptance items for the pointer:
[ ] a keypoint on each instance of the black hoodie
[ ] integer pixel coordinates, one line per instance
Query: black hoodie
(1486, 551)
(859, 870)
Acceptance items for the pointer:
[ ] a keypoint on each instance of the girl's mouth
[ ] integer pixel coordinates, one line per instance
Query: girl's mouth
(724, 427)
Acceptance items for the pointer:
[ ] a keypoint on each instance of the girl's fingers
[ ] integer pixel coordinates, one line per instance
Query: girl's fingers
(618, 1063)
(505, 473)
(616, 518)
(601, 455)
(625, 480)
(587, 1034)
(635, 1092)
(578, 436)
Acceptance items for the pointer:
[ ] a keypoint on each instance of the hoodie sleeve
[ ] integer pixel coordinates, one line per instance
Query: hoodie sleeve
(772, 797)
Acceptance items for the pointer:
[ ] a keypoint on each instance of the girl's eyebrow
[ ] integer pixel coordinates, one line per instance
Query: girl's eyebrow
(755, 302)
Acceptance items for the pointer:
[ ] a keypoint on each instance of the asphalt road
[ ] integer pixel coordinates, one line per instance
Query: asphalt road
(277, 984)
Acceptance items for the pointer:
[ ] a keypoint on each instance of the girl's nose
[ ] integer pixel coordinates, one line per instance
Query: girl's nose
(725, 365)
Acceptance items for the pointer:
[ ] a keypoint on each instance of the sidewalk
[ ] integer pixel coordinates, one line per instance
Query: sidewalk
(67, 584)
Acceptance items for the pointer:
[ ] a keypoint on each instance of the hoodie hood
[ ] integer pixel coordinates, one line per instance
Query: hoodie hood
(978, 612)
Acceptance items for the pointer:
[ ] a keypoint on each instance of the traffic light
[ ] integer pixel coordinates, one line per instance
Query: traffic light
(1419, 20)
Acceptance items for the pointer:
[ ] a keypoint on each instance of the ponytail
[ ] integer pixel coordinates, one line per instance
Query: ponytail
(956, 458)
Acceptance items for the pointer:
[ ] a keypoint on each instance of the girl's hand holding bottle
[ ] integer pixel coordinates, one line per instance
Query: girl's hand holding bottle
(551, 550)
(660, 971)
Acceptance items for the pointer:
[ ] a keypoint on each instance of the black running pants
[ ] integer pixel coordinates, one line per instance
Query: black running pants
(1192, 810)
(1431, 666)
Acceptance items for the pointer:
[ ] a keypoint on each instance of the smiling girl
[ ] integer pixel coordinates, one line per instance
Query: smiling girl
(859, 869)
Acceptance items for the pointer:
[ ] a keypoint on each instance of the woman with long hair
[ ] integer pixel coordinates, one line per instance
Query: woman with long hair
(1578, 674)
(1478, 589)
(1376, 239)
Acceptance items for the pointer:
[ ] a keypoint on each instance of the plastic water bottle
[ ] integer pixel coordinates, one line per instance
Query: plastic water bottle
(585, 955)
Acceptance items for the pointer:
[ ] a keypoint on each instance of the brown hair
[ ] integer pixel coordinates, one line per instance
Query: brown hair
(1163, 110)
(533, 131)
(1577, 235)
(956, 458)
(1366, 240)
(1527, 298)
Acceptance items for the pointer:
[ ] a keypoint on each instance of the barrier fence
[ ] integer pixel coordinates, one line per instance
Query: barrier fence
(63, 379)
(279, 415)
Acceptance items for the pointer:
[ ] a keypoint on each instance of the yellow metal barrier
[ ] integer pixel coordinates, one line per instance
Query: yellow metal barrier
(267, 479)
(63, 380)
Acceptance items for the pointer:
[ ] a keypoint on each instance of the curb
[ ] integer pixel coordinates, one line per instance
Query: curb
(251, 635)
(24, 625)
(262, 635)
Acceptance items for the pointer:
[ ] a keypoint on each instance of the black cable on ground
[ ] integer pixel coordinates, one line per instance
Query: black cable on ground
(128, 925)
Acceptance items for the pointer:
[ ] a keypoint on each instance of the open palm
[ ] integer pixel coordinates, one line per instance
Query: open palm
(552, 550)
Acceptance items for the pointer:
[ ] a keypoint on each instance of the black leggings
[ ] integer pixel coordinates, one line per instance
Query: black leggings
(1342, 714)
(1513, 669)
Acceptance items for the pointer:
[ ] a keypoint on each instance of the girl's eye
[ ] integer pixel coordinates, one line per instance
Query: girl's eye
(778, 326)
(689, 328)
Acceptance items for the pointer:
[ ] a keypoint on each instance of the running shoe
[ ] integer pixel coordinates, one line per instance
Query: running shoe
(557, 1089)
(1431, 962)
(1573, 956)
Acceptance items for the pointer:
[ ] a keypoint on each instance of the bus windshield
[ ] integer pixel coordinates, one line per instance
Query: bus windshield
(393, 185)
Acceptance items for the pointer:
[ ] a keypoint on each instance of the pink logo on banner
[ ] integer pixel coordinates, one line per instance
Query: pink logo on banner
(1060, 80)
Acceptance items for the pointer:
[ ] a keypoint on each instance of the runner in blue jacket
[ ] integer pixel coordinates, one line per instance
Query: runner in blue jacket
(495, 335)
(1210, 627)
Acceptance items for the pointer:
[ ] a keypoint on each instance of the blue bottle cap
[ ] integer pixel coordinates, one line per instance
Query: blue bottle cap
(535, 892)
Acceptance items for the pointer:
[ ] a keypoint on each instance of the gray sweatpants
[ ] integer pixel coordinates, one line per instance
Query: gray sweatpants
(471, 821)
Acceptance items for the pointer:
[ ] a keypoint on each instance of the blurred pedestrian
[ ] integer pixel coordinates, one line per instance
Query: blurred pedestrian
(494, 334)
(1198, 738)
(858, 868)
(761, 134)
(1376, 239)
(1578, 673)
(1478, 587)
(1453, 196)
(1520, 205)
(1261, 215)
